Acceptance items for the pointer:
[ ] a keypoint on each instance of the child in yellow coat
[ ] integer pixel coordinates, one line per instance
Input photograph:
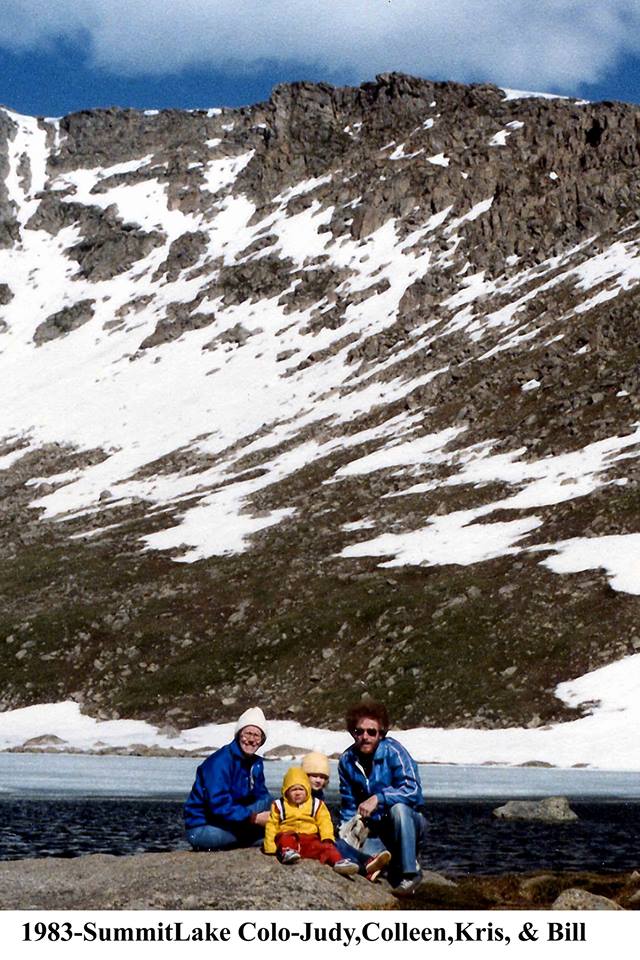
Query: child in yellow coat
(300, 826)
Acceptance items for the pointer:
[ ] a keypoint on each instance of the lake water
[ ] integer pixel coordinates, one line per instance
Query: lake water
(69, 805)
(82, 775)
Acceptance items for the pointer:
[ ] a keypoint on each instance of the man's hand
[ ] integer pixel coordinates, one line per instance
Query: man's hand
(260, 819)
(367, 807)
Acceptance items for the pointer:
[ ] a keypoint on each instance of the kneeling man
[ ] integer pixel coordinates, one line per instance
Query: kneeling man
(380, 780)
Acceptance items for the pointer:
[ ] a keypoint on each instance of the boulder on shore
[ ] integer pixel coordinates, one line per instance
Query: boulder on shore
(46, 740)
(550, 810)
(577, 899)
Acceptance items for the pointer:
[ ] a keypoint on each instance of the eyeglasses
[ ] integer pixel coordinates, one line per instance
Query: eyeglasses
(370, 731)
(251, 736)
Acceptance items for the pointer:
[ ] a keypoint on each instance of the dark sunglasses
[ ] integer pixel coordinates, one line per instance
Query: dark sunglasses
(370, 731)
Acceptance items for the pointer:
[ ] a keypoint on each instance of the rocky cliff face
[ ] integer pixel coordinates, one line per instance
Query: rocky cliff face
(328, 395)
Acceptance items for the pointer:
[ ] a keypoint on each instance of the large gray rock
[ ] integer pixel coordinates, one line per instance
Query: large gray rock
(551, 810)
(576, 899)
(230, 880)
(47, 740)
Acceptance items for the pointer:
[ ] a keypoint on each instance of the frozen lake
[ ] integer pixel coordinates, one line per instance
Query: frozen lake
(71, 775)
(68, 805)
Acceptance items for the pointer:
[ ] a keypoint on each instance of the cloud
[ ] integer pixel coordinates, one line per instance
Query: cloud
(547, 44)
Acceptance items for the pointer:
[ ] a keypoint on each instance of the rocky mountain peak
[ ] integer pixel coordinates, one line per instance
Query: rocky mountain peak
(333, 394)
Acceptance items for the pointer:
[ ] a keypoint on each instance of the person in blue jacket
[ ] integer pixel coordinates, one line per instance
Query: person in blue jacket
(380, 780)
(229, 802)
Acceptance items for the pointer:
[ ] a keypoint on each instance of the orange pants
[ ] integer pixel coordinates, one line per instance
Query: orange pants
(309, 847)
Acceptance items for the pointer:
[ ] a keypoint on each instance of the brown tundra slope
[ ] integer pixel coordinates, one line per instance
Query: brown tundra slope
(315, 397)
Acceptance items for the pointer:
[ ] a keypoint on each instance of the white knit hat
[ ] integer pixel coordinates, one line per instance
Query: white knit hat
(253, 717)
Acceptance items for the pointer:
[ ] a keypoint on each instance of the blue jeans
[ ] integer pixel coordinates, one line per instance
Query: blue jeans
(208, 837)
(401, 831)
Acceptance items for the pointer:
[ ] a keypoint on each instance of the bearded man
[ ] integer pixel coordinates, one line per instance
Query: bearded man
(380, 780)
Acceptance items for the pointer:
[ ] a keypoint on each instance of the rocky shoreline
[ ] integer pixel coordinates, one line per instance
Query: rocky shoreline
(132, 750)
(49, 743)
(247, 880)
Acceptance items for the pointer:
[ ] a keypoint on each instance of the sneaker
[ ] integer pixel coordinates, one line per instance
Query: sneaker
(375, 865)
(346, 868)
(407, 886)
(290, 856)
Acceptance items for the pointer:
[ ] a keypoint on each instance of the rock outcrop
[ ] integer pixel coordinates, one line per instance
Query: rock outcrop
(64, 321)
(248, 880)
(233, 880)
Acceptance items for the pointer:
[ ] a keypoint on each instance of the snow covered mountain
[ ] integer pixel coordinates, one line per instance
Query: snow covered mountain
(332, 394)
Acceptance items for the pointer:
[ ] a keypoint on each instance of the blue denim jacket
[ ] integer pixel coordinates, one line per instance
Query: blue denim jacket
(394, 778)
(228, 788)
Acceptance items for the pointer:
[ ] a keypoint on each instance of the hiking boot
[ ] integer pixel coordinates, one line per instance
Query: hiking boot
(375, 865)
(407, 886)
(346, 868)
(290, 856)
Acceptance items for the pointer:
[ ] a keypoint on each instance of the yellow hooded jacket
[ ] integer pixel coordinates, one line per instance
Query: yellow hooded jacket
(311, 817)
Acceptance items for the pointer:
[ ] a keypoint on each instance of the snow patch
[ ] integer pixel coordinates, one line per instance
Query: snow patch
(222, 172)
(617, 555)
(510, 94)
(451, 539)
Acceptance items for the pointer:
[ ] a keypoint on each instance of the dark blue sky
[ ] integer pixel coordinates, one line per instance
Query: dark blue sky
(55, 83)
(59, 80)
